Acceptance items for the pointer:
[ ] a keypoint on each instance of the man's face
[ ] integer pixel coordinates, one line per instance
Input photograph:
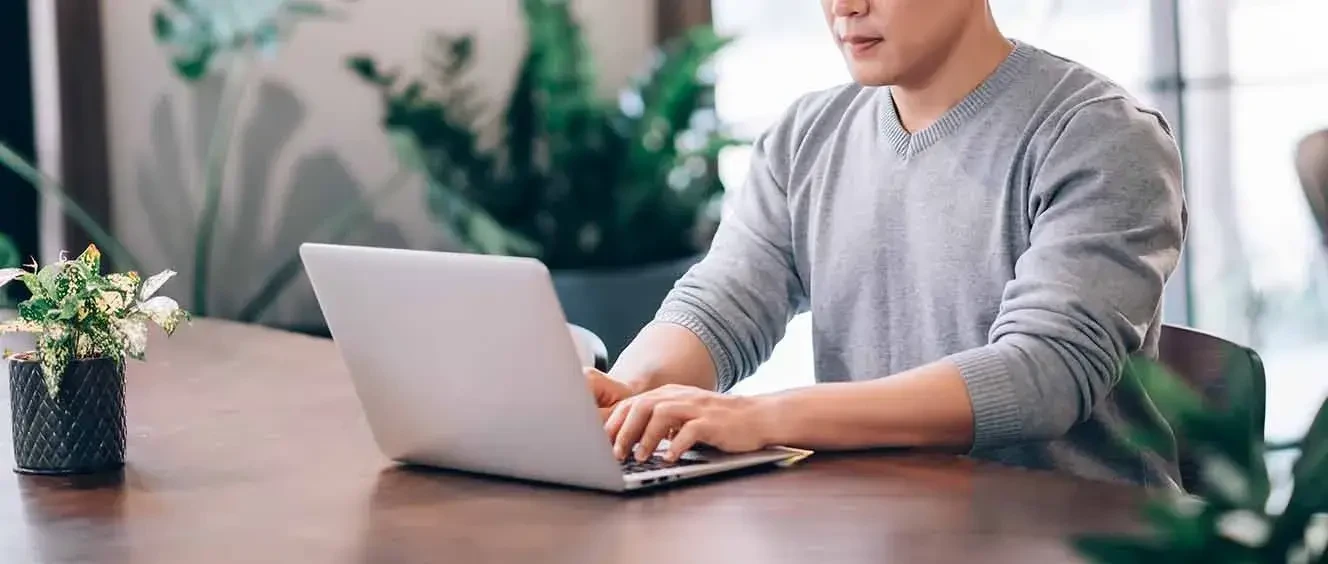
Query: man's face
(888, 41)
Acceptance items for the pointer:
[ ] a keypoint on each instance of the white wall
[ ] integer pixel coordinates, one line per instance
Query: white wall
(308, 139)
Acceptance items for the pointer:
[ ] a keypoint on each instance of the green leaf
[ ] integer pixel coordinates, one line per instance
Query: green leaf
(47, 276)
(305, 8)
(267, 39)
(194, 66)
(1108, 550)
(1177, 402)
(365, 68)
(1182, 524)
(1314, 447)
(69, 308)
(162, 26)
(92, 258)
(36, 309)
(55, 348)
(1309, 493)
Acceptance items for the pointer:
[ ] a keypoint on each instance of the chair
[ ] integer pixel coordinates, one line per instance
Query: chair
(590, 347)
(1312, 168)
(1202, 361)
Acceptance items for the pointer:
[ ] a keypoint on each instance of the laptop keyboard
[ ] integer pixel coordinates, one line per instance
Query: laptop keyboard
(656, 462)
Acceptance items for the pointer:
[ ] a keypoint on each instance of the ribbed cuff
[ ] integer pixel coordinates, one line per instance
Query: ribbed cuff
(996, 420)
(724, 373)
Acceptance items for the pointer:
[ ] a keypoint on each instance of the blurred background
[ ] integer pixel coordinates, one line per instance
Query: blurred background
(215, 136)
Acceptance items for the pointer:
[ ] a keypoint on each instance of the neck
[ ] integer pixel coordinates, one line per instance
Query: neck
(923, 99)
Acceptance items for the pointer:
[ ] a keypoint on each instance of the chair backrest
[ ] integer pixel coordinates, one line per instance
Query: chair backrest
(1312, 168)
(1202, 361)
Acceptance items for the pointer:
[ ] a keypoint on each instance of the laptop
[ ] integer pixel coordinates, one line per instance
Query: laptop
(465, 361)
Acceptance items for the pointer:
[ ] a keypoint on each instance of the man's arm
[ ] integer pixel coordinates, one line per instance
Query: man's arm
(662, 354)
(724, 316)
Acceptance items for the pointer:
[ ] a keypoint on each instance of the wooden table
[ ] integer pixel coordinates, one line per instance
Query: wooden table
(247, 445)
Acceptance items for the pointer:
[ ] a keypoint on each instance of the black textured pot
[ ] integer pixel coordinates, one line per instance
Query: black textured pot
(81, 430)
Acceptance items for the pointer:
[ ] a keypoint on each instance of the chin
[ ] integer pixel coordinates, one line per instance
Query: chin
(872, 75)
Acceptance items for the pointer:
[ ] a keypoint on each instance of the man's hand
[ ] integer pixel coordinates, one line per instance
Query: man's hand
(686, 415)
(608, 392)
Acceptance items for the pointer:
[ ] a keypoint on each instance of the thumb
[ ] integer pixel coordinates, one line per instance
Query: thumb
(603, 389)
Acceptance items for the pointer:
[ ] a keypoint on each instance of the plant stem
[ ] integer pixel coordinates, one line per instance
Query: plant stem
(49, 186)
(336, 227)
(219, 143)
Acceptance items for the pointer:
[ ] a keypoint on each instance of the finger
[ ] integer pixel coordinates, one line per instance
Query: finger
(666, 417)
(617, 414)
(632, 427)
(688, 435)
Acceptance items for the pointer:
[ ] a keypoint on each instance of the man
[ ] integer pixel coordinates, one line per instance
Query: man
(982, 232)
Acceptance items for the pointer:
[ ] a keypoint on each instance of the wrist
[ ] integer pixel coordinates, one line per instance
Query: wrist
(769, 417)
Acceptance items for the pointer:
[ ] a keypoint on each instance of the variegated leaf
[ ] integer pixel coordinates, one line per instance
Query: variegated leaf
(163, 311)
(8, 275)
(55, 351)
(126, 282)
(155, 283)
(135, 333)
(91, 257)
(111, 303)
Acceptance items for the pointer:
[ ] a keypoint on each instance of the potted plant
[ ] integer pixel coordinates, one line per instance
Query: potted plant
(1233, 522)
(67, 396)
(617, 197)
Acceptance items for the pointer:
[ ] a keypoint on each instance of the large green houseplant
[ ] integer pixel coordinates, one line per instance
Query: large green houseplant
(1232, 522)
(615, 196)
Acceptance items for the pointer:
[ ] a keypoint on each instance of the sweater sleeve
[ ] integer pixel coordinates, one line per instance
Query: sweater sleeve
(741, 296)
(1108, 223)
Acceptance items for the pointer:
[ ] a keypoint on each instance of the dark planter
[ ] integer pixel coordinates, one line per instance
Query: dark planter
(616, 304)
(81, 430)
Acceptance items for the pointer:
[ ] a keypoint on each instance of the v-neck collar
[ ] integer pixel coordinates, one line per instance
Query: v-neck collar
(908, 144)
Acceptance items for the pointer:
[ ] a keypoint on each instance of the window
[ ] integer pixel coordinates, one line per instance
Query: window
(1256, 85)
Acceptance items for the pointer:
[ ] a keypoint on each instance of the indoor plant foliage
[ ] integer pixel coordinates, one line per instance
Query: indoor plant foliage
(78, 313)
(1231, 522)
(576, 181)
(224, 39)
(67, 397)
(616, 196)
(9, 258)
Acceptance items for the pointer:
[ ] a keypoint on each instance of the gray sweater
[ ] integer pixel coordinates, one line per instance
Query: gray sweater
(1026, 236)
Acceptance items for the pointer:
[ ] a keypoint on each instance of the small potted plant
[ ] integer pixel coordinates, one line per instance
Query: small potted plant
(67, 397)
